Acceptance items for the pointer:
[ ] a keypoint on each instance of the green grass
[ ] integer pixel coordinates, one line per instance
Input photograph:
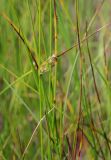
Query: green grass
(55, 80)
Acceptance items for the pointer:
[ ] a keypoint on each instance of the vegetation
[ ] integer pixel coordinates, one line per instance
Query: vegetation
(55, 80)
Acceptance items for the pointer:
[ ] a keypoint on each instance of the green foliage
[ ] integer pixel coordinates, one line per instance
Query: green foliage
(55, 80)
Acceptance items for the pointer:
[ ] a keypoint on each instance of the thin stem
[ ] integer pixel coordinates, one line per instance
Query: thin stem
(40, 87)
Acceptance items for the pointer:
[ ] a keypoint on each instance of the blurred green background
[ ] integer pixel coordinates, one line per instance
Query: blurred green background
(24, 100)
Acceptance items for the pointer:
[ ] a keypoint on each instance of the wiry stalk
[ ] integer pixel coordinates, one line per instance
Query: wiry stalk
(81, 83)
(97, 93)
(30, 51)
(51, 61)
(40, 84)
(55, 48)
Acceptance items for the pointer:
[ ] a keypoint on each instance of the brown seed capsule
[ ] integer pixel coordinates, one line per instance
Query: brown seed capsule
(50, 62)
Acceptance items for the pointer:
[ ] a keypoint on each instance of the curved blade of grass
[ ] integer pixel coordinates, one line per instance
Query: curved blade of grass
(21, 100)
(22, 38)
(15, 76)
(17, 80)
(35, 130)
